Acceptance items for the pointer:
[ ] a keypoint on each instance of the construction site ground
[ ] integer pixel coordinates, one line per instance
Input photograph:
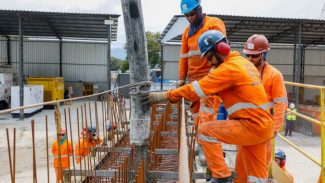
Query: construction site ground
(303, 169)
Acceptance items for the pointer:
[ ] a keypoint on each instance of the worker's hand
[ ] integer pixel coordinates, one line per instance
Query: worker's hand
(275, 134)
(149, 98)
(180, 83)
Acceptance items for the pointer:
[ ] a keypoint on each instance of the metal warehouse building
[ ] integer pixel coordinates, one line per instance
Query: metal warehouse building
(296, 47)
(75, 46)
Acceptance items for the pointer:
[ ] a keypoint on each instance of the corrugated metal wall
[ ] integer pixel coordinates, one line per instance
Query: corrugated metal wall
(281, 57)
(81, 61)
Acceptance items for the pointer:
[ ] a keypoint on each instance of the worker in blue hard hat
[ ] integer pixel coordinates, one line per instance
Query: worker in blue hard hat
(191, 64)
(88, 140)
(280, 159)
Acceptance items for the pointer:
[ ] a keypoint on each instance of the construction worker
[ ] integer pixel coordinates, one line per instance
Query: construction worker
(87, 141)
(280, 159)
(64, 153)
(256, 50)
(291, 118)
(250, 123)
(191, 65)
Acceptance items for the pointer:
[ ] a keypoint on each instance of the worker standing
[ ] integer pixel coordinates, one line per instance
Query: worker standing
(88, 140)
(250, 123)
(256, 50)
(280, 159)
(291, 119)
(191, 65)
(64, 153)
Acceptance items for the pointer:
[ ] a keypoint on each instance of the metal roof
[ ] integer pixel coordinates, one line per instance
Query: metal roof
(55, 24)
(277, 30)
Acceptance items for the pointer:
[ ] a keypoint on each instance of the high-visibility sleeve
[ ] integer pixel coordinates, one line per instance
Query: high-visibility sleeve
(219, 79)
(279, 96)
(183, 65)
(276, 92)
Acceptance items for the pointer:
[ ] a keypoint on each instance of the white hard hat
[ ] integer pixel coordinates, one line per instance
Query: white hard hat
(292, 105)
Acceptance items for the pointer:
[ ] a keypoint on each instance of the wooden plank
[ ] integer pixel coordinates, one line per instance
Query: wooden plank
(278, 174)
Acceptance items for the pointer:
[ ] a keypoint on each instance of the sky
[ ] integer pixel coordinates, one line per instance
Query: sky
(158, 13)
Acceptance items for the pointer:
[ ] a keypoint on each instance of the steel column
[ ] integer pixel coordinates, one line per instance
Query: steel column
(21, 67)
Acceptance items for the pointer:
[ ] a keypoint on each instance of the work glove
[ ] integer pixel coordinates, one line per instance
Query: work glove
(180, 83)
(149, 98)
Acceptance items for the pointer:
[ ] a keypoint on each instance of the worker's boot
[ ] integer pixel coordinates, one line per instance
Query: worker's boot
(229, 179)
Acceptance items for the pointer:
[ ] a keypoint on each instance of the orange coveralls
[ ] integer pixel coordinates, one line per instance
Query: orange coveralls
(250, 123)
(276, 93)
(82, 149)
(191, 64)
(66, 151)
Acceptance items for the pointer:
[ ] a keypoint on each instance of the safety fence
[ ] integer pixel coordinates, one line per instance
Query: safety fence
(97, 132)
(312, 120)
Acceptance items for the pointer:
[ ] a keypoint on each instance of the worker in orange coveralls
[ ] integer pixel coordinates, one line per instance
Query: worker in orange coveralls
(250, 124)
(256, 50)
(88, 140)
(191, 64)
(65, 151)
(280, 159)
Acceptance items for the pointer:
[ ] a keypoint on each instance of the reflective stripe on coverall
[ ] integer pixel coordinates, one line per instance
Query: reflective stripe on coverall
(237, 82)
(276, 93)
(82, 148)
(190, 63)
(65, 149)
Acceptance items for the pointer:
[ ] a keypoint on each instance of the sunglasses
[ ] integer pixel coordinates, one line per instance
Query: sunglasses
(192, 13)
(253, 56)
(62, 134)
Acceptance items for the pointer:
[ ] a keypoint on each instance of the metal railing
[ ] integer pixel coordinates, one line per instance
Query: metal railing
(321, 123)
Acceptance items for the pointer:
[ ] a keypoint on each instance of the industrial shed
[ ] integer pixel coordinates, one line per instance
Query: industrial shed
(297, 47)
(73, 45)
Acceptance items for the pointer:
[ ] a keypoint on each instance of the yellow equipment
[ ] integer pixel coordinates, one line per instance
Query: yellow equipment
(53, 87)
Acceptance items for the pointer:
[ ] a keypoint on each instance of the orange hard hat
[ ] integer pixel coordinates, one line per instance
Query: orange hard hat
(256, 44)
(63, 131)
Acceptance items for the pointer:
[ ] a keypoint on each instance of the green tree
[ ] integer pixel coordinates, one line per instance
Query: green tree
(124, 66)
(115, 63)
(153, 48)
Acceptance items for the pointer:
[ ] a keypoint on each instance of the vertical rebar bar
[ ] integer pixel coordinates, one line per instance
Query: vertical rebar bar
(74, 167)
(47, 149)
(34, 153)
(9, 155)
(67, 140)
(14, 163)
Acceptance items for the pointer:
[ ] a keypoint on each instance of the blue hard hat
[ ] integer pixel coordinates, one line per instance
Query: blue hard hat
(91, 129)
(208, 40)
(189, 5)
(280, 154)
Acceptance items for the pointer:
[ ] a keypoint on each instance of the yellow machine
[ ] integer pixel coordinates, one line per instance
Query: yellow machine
(53, 87)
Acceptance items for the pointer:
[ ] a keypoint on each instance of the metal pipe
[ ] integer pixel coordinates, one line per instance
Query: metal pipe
(304, 85)
(21, 68)
(304, 117)
(322, 111)
(300, 150)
